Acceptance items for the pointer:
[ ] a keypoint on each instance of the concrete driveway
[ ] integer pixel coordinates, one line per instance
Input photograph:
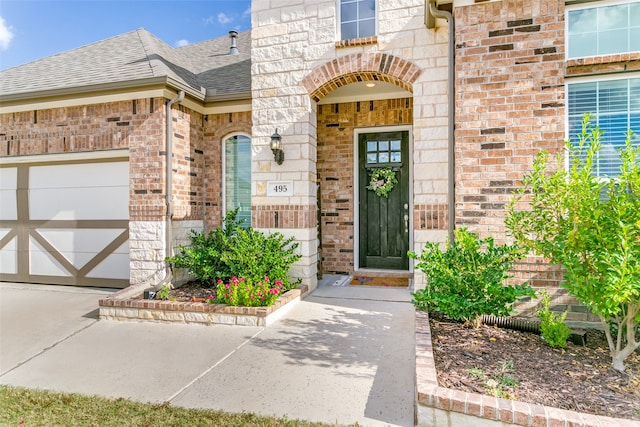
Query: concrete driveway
(342, 355)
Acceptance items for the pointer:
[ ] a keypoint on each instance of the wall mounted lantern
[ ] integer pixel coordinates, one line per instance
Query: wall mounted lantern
(276, 147)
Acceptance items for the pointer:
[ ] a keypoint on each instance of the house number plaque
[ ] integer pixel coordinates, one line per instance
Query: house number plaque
(279, 188)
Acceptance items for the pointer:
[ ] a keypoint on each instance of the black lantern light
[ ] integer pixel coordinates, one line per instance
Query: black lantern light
(276, 147)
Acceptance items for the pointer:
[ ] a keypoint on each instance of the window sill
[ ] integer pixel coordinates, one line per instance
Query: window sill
(362, 41)
(603, 64)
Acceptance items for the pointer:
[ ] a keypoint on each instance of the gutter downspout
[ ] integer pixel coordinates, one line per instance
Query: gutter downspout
(433, 12)
(169, 181)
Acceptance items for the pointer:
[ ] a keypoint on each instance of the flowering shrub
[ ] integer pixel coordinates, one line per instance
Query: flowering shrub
(243, 292)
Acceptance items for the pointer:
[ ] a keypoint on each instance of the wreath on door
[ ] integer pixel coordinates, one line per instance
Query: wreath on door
(382, 181)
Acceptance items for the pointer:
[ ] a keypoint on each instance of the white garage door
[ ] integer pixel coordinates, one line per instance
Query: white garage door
(65, 223)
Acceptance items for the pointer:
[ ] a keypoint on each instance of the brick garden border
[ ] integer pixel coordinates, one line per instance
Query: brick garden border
(440, 406)
(121, 306)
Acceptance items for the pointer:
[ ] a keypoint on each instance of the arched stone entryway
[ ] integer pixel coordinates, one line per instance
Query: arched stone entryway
(344, 131)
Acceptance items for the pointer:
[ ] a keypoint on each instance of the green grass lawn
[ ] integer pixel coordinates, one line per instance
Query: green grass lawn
(25, 407)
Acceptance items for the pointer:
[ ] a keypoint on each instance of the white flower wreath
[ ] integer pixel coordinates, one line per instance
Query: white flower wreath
(382, 181)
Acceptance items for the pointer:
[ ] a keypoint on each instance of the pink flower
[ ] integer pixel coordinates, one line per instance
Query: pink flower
(278, 282)
(210, 296)
(219, 281)
(234, 280)
(227, 286)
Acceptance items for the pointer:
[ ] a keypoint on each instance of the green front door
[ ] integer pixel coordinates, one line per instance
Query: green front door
(384, 221)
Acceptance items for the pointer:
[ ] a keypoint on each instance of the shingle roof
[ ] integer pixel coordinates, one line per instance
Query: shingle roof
(205, 67)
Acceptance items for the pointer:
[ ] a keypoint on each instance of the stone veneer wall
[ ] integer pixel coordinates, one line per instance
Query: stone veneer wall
(291, 43)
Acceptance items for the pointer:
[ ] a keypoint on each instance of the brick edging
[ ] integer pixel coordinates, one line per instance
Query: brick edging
(120, 306)
(430, 394)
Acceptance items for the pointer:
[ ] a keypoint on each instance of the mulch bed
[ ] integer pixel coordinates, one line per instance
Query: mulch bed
(521, 366)
(192, 291)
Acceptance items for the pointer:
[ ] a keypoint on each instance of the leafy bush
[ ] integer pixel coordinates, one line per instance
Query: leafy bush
(203, 258)
(591, 226)
(254, 256)
(552, 327)
(246, 293)
(232, 251)
(467, 280)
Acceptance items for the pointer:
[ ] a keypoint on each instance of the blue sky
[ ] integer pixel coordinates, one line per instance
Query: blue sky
(34, 29)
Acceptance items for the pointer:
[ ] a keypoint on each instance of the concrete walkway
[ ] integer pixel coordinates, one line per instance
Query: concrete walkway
(342, 355)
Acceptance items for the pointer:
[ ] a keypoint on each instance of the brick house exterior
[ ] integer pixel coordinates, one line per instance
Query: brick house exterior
(308, 80)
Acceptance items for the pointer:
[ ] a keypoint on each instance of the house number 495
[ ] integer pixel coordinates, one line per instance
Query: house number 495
(279, 188)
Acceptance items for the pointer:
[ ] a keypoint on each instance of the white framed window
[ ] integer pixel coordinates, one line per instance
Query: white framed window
(357, 18)
(614, 105)
(603, 28)
(237, 176)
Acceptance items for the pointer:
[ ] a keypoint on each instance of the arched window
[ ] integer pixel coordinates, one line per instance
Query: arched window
(237, 176)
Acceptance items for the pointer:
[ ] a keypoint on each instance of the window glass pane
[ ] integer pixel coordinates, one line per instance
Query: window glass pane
(383, 145)
(367, 28)
(634, 38)
(582, 98)
(609, 161)
(634, 13)
(349, 30)
(349, 12)
(615, 108)
(396, 157)
(614, 41)
(395, 145)
(582, 45)
(238, 177)
(634, 125)
(383, 157)
(614, 128)
(582, 21)
(613, 96)
(613, 17)
(367, 9)
(372, 157)
(603, 30)
(372, 146)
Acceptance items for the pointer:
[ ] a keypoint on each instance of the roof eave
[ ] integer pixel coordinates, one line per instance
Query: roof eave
(227, 97)
(105, 87)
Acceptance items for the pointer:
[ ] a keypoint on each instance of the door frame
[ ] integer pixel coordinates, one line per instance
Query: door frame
(356, 186)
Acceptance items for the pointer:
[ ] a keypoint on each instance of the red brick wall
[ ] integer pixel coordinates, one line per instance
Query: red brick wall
(188, 164)
(336, 124)
(136, 124)
(509, 102)
(509, 106)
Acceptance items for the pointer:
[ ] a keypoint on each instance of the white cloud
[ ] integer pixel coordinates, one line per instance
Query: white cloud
(181, 43)
(223, 18)
(210, 20)
(247, 13)
(5, 35)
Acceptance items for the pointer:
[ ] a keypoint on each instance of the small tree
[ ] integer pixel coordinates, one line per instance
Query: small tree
(591, 226)
(467, 280)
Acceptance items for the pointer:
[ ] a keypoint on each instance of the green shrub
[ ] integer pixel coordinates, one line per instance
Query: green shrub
(552, 327)
(591, 226)
(233, 251)
(254, 256)
(203, 258)
(467, 280)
